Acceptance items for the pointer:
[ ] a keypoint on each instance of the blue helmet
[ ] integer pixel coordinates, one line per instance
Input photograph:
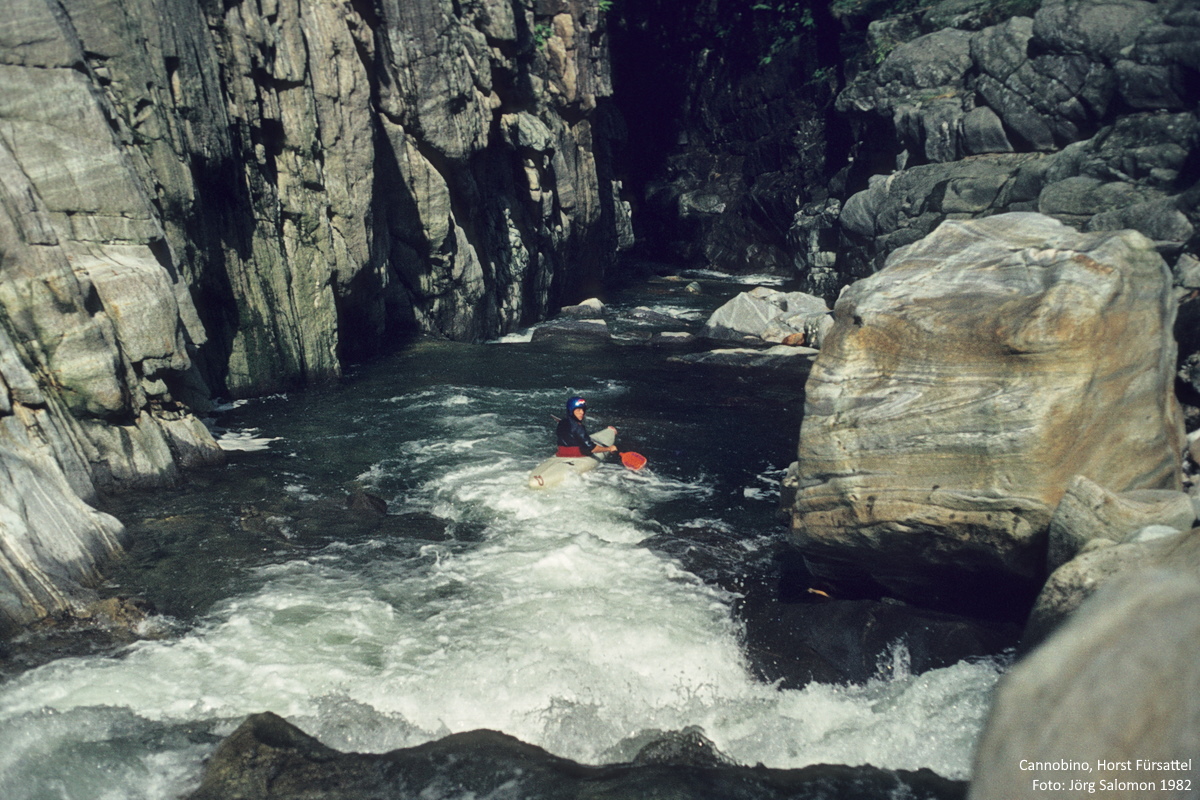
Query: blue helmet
(574, 403)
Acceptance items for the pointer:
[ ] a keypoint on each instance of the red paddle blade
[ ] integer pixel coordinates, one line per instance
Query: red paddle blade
(633, 461)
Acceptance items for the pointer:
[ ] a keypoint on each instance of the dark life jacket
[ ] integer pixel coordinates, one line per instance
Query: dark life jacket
(573, 439)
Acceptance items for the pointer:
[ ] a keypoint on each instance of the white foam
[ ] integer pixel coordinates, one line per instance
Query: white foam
(558, 627)
(519, 337)
(246, 440)
(748, 280)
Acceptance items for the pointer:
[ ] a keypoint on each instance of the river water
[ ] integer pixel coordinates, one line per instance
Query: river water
(579, 619)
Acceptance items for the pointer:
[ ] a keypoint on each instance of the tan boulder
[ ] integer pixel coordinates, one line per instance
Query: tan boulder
(965, 385)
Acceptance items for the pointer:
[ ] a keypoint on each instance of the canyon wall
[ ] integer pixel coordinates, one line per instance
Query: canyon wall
(204, 199)
(813, 139)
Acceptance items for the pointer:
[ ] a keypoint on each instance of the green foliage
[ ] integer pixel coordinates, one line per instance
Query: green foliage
(822, 75)
(788, 18)
(606, 5)
(541, 32)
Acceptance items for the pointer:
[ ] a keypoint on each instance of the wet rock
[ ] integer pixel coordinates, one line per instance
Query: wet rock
(672, 339)
(780, 357)
(1118, 683)
(367, 506)
(940, 434)
(681, 748)
(648, 316)
(267, 758)
(115, 614)
(572, 330)
(278, 526)
(591, 308)
(852, 641)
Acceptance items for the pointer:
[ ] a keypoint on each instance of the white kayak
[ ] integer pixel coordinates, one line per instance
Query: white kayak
(554, 470)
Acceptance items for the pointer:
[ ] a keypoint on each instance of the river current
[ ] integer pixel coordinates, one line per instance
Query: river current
(569, 618)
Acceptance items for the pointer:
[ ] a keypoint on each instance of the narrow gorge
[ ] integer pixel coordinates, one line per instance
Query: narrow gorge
(229, 200)
(975, 222)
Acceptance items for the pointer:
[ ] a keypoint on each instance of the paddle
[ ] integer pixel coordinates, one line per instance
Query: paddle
(632, 461)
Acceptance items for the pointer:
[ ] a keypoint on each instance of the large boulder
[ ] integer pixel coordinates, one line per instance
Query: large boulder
(770, 315)
(963, 387)
(1112, 700)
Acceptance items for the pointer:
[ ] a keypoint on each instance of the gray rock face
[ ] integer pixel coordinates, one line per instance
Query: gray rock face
(1049, 80)
(1119, 683)
(321, 175)
(1098, 89)
(1099, 563)
(234, 198)
(1088, 511)
(1126, 176)
(964, 386)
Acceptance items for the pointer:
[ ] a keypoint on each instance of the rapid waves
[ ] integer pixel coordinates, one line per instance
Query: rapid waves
(544, 615)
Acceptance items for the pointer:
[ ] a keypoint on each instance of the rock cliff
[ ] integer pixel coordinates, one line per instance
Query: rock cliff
(813, 139)
(234, 198)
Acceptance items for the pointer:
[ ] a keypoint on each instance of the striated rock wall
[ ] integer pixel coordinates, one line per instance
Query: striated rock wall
(233, 198)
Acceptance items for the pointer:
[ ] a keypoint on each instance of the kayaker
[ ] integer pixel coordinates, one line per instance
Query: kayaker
(573, 439)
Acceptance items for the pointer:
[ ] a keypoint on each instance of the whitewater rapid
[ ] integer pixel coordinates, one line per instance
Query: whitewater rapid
(545, 617)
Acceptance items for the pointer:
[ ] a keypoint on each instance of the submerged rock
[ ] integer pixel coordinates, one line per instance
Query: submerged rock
(366, 505)
(852, 641)
(268, 758)
(568, 330)
(961, 390)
